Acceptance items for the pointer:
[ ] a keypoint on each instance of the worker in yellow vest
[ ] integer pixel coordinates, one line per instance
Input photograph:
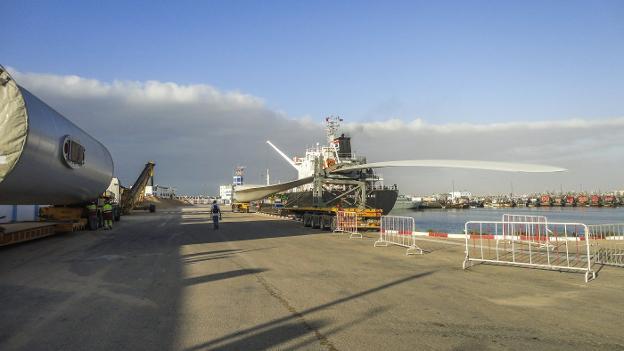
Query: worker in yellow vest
(107, 211)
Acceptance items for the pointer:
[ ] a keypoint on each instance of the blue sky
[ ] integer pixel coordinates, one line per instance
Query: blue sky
(523, 81)
(464, 61)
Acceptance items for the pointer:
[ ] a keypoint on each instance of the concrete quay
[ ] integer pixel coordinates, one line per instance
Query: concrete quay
(168, 281)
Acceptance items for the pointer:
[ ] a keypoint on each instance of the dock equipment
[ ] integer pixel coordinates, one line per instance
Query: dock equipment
(242, 207)
(133, 196)
(19, 232)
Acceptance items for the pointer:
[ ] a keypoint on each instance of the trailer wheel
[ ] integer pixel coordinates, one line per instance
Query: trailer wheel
(316, 221)
(329, 219)
(324, 222)
(307, 220)
(93, 223)
(332, 225)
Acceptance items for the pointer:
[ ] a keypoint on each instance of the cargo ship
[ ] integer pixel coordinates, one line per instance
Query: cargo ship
(337, 151)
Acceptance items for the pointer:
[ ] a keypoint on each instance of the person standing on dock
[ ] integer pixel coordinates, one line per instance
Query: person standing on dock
(107, 210)
(216, 214)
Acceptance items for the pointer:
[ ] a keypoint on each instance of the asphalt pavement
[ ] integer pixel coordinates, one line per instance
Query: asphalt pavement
(168, 281)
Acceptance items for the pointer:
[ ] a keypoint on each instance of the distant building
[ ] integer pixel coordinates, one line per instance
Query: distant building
(149, 191)
(165, 191)
(196, 199)
(160, 191)
(225, 193)
(459, 194)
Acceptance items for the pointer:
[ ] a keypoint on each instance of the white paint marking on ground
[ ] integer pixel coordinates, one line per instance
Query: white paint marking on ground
(442, 241)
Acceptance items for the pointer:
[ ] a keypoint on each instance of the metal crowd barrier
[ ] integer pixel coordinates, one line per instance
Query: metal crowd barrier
(524, 218)
(538, 228)
(553, 246)
(397, 230)
(347, 222)
(608, 243)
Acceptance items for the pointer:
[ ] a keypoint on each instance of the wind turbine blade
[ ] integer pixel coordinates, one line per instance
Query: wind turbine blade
(243, 194)
(486, 165)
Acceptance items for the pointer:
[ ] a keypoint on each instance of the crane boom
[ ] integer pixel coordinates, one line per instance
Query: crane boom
(288, 159)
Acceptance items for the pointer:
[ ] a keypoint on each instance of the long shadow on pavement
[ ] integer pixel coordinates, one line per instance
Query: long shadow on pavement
(299, 315)
(244, 230)
(221, 276)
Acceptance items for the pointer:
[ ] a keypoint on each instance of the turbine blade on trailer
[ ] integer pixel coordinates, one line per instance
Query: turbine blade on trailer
(485, 165)
(260, 192)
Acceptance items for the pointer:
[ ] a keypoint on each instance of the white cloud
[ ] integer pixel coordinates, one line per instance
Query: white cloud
(419, 125)
(135, 92)
(197, 134)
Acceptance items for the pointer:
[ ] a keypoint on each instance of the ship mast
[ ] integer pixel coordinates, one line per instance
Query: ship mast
(332, 124)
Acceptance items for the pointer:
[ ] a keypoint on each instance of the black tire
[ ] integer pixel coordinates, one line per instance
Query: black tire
(332, 223)
(307, 220)
(92, 221)
(316, 221)
(326, 222)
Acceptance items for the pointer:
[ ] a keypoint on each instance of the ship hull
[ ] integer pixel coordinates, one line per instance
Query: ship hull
(383, 199)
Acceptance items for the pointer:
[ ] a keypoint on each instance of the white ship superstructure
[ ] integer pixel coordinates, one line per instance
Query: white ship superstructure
(337, 153)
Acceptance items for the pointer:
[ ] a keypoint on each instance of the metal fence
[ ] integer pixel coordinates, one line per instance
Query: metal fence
(347, 222)
(536, 231)
(553, 246)
(524, 218)
(608, 243)
(397, 230)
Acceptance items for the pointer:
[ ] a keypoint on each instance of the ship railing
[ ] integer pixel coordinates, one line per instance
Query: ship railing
(551, 246)
(398, 230)
(608, 243)
(347, 222)
(384, 187)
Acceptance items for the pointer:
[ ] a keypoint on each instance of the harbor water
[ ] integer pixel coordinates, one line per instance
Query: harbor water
(453, 220)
